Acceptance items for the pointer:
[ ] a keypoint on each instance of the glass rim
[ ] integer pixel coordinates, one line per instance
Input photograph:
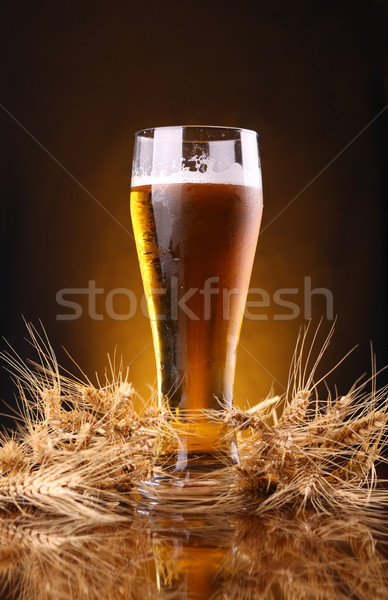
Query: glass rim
(141, 132)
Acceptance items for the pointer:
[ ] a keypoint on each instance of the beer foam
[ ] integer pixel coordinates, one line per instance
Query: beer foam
(165, 159)
(203, 170)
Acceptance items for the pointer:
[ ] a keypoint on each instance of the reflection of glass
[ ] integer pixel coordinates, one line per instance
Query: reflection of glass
(190, 553)
(196, 204)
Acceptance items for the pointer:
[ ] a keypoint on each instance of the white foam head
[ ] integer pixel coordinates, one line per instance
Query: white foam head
(161, 161)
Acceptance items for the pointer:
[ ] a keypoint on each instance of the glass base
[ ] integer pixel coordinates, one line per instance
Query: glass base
(192, 464)
(202, 482)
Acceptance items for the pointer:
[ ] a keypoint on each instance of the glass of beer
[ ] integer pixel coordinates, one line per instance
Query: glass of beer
(196, 206)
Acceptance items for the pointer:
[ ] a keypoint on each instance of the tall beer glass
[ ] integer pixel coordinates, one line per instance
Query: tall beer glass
(196, 205)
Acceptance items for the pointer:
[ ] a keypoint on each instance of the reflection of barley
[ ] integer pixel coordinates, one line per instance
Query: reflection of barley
(25, 535)
(286, 554)
(304, 555)
(56, 560)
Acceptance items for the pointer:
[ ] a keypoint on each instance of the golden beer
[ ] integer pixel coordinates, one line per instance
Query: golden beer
(196, 244)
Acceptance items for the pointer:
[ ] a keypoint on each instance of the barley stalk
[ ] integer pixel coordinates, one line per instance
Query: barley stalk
(295, 411)
(359, 431)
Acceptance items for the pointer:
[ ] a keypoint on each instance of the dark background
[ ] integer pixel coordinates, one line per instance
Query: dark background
(82, 77)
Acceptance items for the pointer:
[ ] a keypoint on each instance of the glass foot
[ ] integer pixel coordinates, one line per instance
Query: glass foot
(201, 485)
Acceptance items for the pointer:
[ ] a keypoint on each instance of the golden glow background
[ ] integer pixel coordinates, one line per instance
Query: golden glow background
(83, 77)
